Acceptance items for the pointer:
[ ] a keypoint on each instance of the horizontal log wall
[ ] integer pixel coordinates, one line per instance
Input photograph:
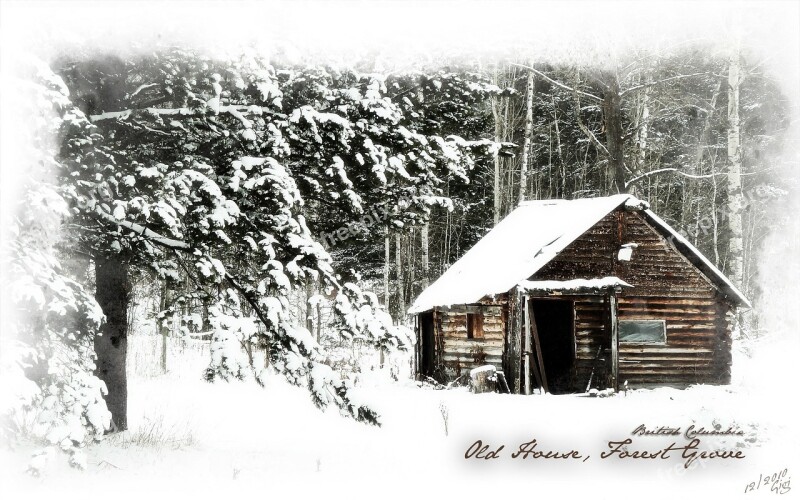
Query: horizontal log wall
(667, 286)
(592, 342)
(590, 256)
(460, 354)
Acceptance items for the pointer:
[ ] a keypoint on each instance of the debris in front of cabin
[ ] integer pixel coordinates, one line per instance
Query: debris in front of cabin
(483, 379)
(594, 393)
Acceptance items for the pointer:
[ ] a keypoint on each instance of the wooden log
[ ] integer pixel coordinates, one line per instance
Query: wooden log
(417, 346)
(612, 299)
(658, 349)
(526, 367)
(530, 363)
(514, 344)
(502, 384)
(535, 333)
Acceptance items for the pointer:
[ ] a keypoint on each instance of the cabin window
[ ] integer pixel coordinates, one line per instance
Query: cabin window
(648, 331)
(474, 325)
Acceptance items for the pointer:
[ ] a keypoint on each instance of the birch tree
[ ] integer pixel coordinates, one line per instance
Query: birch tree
(526, 144)
(734, 172)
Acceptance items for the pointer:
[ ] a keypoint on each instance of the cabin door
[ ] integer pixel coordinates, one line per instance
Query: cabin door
(555, 321)
(426, 340)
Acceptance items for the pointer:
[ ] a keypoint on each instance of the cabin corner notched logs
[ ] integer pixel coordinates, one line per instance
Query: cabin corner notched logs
(667, 284)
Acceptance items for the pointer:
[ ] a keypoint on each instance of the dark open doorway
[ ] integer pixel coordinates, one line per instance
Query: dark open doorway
(426, 340)
(555, 326)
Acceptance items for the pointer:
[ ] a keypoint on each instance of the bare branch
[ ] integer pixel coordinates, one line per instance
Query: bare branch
(239, 116)
(236, 111)
(659, 82)
(407, 91)
(151, 130)
(559, 84)
(147, 233)
(597, 144)
(249, 298)
(142, 87)
(671, 169)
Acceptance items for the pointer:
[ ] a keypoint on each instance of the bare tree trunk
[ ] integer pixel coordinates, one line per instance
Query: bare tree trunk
(562, 166)
(498, 137)
(526, 145)
(643, 129)
(398, 264)
(164, 323)
(734, 179)
(612, 118)
(425, 255)
(316, 328)
(715, 222)
(703, 140)
(448, 228)
(309, 307)
(318, 334)
(111, 347)
(386, 257)
(386, 267)
(204, 316)
(700, 153)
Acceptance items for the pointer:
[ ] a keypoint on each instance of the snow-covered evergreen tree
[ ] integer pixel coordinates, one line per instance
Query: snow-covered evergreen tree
(51, 320)
(207, 168)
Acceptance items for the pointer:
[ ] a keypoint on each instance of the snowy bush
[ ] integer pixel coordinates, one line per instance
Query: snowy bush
(49, 327)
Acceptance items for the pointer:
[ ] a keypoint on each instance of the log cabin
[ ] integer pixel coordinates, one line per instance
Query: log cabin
(573, 295)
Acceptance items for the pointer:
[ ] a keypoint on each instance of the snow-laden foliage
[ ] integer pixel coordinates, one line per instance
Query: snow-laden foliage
(51, 320)
(216, 171)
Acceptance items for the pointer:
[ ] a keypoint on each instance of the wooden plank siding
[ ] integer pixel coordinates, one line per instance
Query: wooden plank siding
(666, 286)
(698, 320)
(460, 354)
(592, 255)
(592, 342)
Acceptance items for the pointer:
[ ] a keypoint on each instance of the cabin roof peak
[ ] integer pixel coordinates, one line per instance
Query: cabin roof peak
(531, 236)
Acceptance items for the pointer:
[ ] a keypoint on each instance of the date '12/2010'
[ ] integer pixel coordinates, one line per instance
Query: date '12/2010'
(776, 482)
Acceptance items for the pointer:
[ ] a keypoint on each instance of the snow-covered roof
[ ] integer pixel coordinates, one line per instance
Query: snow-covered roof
(576, 285)
(530, 237)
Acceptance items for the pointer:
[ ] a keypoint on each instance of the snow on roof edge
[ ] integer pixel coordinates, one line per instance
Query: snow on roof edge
(575, 284)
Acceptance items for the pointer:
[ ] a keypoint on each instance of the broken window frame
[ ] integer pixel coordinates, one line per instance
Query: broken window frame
(623, 339)
(474, 325)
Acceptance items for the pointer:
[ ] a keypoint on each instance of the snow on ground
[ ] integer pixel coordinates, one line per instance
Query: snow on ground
(190, 437)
